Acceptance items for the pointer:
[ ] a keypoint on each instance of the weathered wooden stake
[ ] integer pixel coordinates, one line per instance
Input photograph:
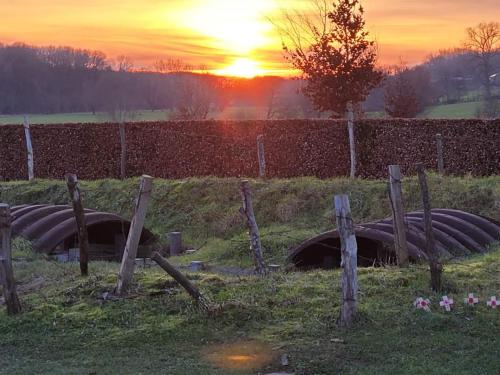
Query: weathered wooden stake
(435, 266)
(29, 149)
(83, 238)
(253, 229)
(175, 239)
(440, 154)
(134, 236)
(349, 252)
(181, 279)
(123, 145)
(262, 156)
(396, 196)
(6, 273)
(352, 144)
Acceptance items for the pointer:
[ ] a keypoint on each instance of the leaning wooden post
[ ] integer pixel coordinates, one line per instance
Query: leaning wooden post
(83, 238)
(253, 229)
(29, 149)
(352, 144)
(349, 252)
(123, 145)
(398, 224)
(6, 273)
(440, 154)
(181, 279)
(435, 266)
(134, 236)
(262, 156)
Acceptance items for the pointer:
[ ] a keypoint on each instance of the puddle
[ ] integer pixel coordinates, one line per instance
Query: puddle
(242, 355)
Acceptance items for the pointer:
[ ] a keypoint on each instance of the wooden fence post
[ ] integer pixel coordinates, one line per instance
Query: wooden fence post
(262, 156)
(181, 279)
(349, 252)
(123, 145)
(29, 149)
(78, 210)
(253, 229)
(440, 154)
(134, 236)
(398, 224)
(352, 143)
(435, 266)
(6, 273)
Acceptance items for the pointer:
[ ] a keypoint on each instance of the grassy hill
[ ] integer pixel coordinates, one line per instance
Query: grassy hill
(67, 326)
(288, 210)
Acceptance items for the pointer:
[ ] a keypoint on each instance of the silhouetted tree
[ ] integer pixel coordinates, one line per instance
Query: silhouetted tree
(339, 63)
(407, 91)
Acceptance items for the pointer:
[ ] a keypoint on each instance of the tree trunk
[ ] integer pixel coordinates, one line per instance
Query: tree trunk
(253, 229)
(349, 252)
(6, 273)
(83, 239)
(352, 144)
(435, 266)
(134, 236)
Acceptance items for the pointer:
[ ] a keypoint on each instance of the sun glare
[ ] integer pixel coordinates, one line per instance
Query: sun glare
(237, 26)
(244, 68)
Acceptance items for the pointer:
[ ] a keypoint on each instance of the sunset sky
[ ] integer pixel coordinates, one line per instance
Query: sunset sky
(231, 36)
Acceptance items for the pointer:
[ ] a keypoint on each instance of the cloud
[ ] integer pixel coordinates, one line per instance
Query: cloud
(199, 32)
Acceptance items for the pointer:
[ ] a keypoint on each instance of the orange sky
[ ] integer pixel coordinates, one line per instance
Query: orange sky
(217, 33)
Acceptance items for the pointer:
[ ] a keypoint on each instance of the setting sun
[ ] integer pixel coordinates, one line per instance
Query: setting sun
(244, 68)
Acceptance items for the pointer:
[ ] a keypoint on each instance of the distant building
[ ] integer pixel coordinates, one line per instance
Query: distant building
(495, 79)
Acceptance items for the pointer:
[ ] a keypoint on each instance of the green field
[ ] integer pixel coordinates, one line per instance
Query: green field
(235, 112)
(452, 111)
(67, 118)
(67, 327)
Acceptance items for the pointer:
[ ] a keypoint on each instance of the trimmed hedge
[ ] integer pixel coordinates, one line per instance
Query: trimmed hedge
(228, 148)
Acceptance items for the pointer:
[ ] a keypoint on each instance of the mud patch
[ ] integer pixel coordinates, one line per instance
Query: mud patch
(241, 355)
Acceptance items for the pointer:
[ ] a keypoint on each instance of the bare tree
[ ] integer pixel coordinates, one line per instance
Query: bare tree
(483, 41)
(171, 65)
(124, 63)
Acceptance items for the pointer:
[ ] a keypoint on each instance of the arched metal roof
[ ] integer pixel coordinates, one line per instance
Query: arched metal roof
(48, 226)
(456, 233)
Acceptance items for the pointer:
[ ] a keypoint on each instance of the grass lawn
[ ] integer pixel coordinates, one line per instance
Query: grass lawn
(87, 117)
(67, 327)
(452, 111)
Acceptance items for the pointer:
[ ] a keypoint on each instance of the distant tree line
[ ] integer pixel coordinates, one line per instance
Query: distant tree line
(64, 80)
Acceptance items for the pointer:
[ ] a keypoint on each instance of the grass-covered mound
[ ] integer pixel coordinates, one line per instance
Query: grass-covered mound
(287, 211)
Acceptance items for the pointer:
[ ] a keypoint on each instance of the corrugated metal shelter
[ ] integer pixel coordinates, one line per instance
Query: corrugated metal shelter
(52, 229)
(457, 233)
